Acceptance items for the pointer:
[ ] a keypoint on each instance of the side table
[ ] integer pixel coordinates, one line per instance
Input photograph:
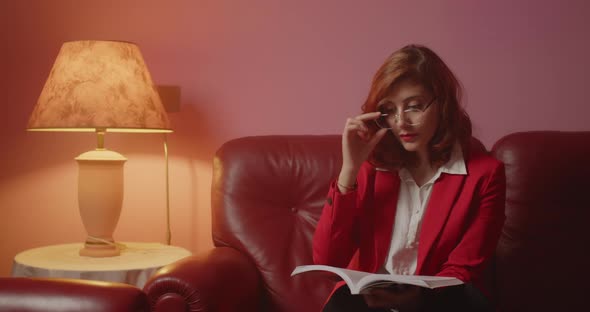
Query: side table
(135, 265)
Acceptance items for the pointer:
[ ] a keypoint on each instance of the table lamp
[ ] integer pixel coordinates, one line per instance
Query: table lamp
(99, 86)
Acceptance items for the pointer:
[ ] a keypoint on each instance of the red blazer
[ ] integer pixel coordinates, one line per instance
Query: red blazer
(460, 227)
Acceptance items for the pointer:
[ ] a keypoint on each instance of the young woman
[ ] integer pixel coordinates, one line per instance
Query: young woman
(416, 194)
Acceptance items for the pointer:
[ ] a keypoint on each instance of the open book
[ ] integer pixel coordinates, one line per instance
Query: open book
(359, 281)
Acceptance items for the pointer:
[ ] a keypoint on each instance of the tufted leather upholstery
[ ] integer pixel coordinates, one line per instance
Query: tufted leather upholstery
(542, 257)
(267, 195)
(276, 188)
(268, 192)
(68, 295)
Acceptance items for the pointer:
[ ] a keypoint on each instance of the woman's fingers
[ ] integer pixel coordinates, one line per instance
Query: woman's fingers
(358, 126)
(368, 116)
(377, 137)
(361, 119)
(358, 141)
(363, 135)
(359, 122)
(360, 130)
(354, 124)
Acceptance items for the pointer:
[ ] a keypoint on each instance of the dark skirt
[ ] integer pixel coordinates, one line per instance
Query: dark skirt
(460, 298)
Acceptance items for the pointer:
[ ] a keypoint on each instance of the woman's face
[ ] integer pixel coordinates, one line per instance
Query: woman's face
(413, 127)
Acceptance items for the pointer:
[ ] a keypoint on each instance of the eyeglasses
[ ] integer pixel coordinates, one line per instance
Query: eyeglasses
(412, 115)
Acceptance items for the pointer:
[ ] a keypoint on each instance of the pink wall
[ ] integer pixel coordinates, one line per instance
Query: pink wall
(263, 67)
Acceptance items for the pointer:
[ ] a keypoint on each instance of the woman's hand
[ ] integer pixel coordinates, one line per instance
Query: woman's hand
(357, 144)
(399, 297)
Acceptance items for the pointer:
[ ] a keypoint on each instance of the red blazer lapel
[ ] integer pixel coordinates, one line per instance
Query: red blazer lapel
(444, 195)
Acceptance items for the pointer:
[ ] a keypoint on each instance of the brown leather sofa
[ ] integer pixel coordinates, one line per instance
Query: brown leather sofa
(268, 192)
(69, 295)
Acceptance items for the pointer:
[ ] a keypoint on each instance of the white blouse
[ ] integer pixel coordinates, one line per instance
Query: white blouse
(412, 201)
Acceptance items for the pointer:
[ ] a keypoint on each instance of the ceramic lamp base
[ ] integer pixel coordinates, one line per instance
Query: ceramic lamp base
(100, 197)
(99, 250)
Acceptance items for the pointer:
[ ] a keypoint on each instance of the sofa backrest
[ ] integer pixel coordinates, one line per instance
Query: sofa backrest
(267, 195)
(268, 192)
(542, 257)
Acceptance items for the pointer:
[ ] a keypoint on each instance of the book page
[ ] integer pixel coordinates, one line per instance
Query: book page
(385, 280)
(372, 280)
(350, 277)
(358, 281)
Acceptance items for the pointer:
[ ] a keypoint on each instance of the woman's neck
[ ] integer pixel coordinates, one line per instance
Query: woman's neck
(423, 157)
(423, 171)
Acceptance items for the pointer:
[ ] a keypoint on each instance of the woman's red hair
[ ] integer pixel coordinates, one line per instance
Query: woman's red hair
(421, 65)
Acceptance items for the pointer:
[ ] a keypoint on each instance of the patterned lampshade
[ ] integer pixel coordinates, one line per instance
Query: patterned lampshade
(99, 85)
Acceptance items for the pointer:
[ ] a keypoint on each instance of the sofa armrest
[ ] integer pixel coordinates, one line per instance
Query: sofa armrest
(65, 295)
(223, 279)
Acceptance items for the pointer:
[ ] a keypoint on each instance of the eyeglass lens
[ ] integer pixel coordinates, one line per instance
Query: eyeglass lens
(411, 116)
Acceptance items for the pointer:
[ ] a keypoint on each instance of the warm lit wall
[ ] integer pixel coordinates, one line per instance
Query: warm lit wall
(263, 67)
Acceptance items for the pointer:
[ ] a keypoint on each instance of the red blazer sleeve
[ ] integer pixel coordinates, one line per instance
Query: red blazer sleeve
(337, 234)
